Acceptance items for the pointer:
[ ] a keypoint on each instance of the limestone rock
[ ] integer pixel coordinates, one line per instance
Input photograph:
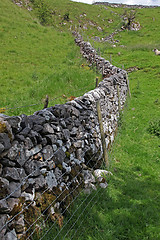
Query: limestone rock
(7, 163)
(47, 129)
(47, 152)
(33, 151)
(47, 115)
(51, 180)
(4, 184)
(59, 156)
(32, 167)
(11, 235)
(11, 202)
(11, 174)
(98, 173)
(14, 189)
(3, 220)
(5, 141)
(4, 208)
(29, 196)
(38, 182)
(35, 119)
(103, 185)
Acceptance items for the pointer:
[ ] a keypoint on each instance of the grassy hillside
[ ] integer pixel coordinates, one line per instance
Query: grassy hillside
(37, 60)
(38, 54)
(41, 59)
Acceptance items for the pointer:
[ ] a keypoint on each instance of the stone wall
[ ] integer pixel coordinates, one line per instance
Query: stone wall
(48, 157)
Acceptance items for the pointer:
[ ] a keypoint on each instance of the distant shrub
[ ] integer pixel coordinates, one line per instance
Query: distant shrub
(66, 16)
(154, 127)
(43, 11)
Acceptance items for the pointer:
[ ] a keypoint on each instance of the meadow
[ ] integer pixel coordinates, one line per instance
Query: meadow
(39, 58)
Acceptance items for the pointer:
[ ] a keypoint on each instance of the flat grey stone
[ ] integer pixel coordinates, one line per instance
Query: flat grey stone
(20, 224)
(47, 152)
(7, 163)
(51, 180)
(33, 151)
(3, 220)
(4, 184)
(33, 167)
(51, 139)
(47, 129)
(11, 174)
(13, 151)
(59, 156)
(5, 141)
(11, 235)
(15, 189)
(66, 134)
(4, 208)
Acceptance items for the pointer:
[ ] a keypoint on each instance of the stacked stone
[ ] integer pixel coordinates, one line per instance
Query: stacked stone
(47, 156)
(88, 52)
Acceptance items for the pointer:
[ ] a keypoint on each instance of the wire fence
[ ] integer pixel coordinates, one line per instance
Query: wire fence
(42, 225)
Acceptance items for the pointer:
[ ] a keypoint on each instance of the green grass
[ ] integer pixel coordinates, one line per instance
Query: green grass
(38, 54)
(37, 60)
(42, 59)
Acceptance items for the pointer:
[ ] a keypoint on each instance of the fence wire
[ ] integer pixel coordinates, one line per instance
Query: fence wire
(40, 225)
(53, 202)
(25, 181)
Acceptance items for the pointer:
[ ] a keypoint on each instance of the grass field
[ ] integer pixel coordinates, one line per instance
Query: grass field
(42, 59)
(37, 60)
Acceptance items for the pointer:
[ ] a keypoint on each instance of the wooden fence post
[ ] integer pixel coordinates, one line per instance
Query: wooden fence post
(128, 85)
(105, 154)
(96, 81)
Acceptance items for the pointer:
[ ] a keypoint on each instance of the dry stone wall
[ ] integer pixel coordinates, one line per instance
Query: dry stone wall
(47, 158)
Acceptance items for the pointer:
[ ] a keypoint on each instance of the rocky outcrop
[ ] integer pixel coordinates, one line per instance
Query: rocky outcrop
(48, 157)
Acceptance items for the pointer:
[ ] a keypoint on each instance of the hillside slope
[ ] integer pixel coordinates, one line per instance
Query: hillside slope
(37, 60)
